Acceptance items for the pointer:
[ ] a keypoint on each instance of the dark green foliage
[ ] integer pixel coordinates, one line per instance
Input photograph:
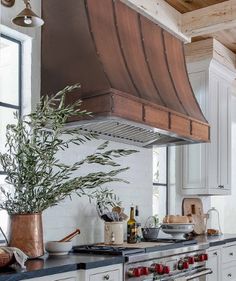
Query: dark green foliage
(38, 178)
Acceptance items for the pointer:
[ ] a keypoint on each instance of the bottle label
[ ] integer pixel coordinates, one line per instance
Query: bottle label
(132, 233)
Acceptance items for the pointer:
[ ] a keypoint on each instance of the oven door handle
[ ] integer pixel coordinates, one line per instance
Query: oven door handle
(199, 274)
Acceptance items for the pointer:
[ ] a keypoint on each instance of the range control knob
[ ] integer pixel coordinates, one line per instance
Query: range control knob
(185, 265)
(201, 258)
(166, 269)
(180, 265)
(145, 270)
(191, 260)
(135, 272)
(159, 268)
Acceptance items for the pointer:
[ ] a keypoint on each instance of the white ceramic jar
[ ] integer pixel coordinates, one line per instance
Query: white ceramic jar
(113, 233)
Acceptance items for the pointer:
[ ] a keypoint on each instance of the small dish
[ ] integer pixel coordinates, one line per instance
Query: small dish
(55, 248)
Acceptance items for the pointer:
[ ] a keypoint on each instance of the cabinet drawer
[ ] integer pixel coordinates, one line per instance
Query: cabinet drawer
(229, 273)
(229, 254)
(66, 279)
(113, 275)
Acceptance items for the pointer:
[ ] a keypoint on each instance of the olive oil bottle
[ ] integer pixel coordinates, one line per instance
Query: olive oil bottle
(132, 228)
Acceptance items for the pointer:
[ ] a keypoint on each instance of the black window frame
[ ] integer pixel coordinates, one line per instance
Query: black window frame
(166, 184)
(8, 105)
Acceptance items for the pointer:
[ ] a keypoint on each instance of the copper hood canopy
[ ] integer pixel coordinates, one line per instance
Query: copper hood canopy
(132, 72)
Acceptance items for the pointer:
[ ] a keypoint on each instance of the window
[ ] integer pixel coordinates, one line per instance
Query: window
(10, 84)
(10, 97)
(160, 181)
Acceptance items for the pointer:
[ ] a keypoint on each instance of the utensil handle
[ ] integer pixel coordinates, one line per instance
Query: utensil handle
(70, 236)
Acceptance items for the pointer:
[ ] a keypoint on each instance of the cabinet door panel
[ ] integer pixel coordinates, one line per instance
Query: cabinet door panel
(214, 262)
(213, 177)
(107, 275)
(224, 136)
(194, 169)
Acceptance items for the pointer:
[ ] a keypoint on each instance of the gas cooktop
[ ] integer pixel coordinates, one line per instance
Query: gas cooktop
(131, 249)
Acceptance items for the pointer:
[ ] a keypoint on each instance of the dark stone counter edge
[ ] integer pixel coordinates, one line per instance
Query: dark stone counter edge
(222, 242)
(59, 269)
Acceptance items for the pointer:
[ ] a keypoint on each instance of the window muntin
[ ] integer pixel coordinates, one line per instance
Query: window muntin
(160, 181)
(10, 84)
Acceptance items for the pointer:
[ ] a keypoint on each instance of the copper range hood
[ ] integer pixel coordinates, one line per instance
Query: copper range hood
(132, 72)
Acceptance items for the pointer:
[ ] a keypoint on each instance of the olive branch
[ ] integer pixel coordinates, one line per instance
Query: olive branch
(38, 178)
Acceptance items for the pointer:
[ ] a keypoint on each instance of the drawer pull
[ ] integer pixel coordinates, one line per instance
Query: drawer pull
(106, 277)
(221, 186)
(229, 275)
(231, 254)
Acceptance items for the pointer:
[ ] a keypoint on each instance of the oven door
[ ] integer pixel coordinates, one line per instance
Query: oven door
(197, 275)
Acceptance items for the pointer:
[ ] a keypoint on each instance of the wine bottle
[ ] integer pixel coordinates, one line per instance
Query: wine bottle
(139, 230)
(131, 228)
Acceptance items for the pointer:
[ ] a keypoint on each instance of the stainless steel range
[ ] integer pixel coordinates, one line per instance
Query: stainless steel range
(149, 261)
(185, 263)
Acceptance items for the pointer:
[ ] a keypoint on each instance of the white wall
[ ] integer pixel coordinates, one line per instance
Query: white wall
(66, 217)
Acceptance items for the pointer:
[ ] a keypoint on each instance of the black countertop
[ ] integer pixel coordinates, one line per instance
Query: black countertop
(61, 264)
(216, 240)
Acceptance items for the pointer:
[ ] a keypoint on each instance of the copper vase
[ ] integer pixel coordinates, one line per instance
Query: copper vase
(26, 233)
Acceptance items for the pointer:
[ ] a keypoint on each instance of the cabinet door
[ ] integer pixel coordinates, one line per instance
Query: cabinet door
(214, 263)
(194, 156)
(224, 166)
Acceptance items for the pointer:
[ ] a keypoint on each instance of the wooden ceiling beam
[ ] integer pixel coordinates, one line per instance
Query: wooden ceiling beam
(161, 13)
(210, 19)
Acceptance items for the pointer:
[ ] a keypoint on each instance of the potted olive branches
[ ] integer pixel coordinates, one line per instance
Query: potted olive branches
(37, 178)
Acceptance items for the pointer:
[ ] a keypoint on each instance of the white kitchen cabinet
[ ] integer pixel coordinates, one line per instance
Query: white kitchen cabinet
(111, 273)
(67, 276)
(214, 263)
(205, 169)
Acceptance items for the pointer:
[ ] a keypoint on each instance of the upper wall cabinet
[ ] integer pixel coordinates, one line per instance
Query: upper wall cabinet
(205, 169)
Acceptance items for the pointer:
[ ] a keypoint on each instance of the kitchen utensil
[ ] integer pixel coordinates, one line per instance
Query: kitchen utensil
(213, 222)
(70, 236)
(194, 207)
(113, 233)
(177, 230)
(57, 248)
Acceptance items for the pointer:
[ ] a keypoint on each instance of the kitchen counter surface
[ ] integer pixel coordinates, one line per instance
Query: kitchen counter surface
(216, 240)
(61, 264)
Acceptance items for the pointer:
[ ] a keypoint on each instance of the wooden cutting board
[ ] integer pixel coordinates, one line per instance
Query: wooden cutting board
(194, 207)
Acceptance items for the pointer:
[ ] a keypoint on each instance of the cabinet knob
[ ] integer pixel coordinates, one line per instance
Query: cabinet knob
(229, 275)
(221, 186)
(215, 254)
(231, 254)
(106, 277)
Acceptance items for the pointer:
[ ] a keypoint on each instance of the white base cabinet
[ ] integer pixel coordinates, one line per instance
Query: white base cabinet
(222, 261)
(67, 276)
(109, 273)
(214, 263)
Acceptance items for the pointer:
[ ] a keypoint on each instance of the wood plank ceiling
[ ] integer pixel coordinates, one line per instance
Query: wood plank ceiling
(227, 37)
(184, 6)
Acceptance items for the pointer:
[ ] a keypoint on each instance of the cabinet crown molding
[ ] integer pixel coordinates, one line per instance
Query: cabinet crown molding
(208, 52)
